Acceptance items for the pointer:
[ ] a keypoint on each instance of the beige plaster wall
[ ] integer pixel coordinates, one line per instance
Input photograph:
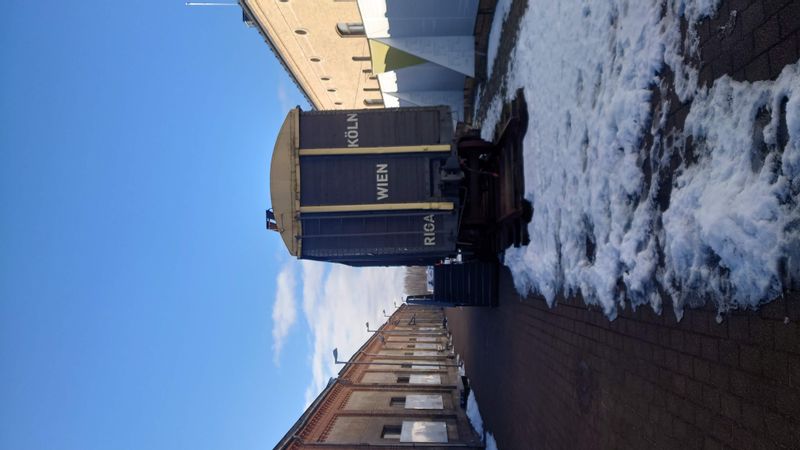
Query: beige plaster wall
(317, 19)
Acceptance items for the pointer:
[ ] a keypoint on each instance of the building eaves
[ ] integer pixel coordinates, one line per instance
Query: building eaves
(301, 422)
(249, 13)
(309, 412)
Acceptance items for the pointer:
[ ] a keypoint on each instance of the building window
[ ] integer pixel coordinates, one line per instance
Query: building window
(428, 346)
(409, 353)
(410, 339)
(361, 58)
(373, 101)
(405, 366)
(350, 29)
(420, 431)
(403, 379)
(391, 432)
(398, 401)
(423, 401)
(425, 379)
(410, 346)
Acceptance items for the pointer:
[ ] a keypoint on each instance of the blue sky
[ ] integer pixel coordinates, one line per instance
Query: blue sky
(137, 282)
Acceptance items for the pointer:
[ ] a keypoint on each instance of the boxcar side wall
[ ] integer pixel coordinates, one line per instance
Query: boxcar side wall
(375, 128)
(370, 189)
(359, 179)
(380, 235)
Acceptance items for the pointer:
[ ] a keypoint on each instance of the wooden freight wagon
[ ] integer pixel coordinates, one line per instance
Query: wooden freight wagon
(395, 187)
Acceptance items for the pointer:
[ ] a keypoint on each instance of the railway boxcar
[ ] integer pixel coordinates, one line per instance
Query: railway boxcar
(395, 187)
(367, 187)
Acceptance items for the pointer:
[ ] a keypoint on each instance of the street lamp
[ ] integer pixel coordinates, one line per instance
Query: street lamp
(396, 321)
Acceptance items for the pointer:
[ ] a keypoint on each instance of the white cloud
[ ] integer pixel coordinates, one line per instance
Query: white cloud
(313, 274)
(284, 312)
(336, 303)
(283, 97)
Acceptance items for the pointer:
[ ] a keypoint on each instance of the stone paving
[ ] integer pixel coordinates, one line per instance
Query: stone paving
(566, 377)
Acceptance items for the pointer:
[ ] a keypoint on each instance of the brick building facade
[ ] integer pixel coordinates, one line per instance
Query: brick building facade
(402, 388)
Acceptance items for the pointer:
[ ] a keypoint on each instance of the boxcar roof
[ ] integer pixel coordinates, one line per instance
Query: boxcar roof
(284, 181)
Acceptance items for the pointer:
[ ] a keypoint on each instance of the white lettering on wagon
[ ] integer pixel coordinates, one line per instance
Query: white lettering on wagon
(352, 130)
(382, 180)
(429, 230)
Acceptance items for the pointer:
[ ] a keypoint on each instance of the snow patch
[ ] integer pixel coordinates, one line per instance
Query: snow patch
(474, 415)
(492, 117)
(732, 229)
(588, 69)
(500, 15)
(695, 10)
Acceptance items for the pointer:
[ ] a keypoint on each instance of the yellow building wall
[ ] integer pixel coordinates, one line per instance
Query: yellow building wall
(304, 33)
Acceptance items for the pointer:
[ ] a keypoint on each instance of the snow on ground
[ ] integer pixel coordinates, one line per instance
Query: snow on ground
(500, 15)
(731, 230)
(474, 415)
(589, 70)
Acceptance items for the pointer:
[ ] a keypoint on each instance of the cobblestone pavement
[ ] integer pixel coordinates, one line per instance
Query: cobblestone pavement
(748, 40)
(566, 377)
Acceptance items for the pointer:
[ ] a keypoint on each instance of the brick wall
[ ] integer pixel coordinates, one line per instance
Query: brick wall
(354, 408)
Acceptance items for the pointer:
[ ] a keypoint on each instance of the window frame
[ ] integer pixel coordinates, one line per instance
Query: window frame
(343, 29)
(410, 432)
(390, 431)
